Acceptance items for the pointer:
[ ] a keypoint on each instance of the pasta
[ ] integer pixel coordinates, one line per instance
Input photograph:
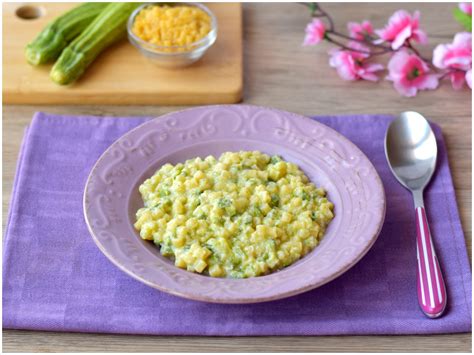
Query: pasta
(245, 214)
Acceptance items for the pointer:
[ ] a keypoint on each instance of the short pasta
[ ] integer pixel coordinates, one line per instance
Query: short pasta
(245, 214)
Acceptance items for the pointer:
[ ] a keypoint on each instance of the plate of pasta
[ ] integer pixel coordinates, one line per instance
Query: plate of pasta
(234, 204)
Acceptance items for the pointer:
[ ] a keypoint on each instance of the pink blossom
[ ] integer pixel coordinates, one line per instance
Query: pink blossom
(457, 79)
(469, 78)
(351, 65)
(358, 30)
(466, 7)
(315, 31)
(456, 57)
(410, 73)
(402, 27)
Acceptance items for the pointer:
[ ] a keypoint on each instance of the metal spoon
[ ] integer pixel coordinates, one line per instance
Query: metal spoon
(410, 148)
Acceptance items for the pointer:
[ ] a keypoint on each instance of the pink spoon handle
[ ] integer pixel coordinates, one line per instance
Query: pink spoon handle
(430, 283)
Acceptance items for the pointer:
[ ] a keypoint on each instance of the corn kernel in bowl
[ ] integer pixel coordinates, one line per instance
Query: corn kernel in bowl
(169, 26)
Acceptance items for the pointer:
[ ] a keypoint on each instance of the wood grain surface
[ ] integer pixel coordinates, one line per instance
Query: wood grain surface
(121, 75)
(278, 72)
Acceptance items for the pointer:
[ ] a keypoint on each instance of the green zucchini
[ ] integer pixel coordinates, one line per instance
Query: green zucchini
(48, 45)
(107, 28)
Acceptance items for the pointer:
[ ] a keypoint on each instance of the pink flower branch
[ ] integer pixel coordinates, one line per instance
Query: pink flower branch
(364, 41)
(349, 48)
(408, 44)
(323, 14)
(408, 69)
(329, 18)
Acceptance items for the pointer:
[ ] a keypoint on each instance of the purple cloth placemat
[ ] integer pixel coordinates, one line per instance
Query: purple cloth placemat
(55, 278)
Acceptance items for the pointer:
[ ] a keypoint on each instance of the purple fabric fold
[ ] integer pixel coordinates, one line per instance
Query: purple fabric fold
(55, 278)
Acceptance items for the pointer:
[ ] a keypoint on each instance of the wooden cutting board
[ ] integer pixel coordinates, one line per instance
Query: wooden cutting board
(121, 75)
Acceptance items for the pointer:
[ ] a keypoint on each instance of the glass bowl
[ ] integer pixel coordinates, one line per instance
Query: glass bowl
(173, 56)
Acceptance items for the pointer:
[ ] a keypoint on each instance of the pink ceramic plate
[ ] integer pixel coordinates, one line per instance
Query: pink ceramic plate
(111, 197)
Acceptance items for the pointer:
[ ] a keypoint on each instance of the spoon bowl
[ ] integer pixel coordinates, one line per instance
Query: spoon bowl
(410, 148)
